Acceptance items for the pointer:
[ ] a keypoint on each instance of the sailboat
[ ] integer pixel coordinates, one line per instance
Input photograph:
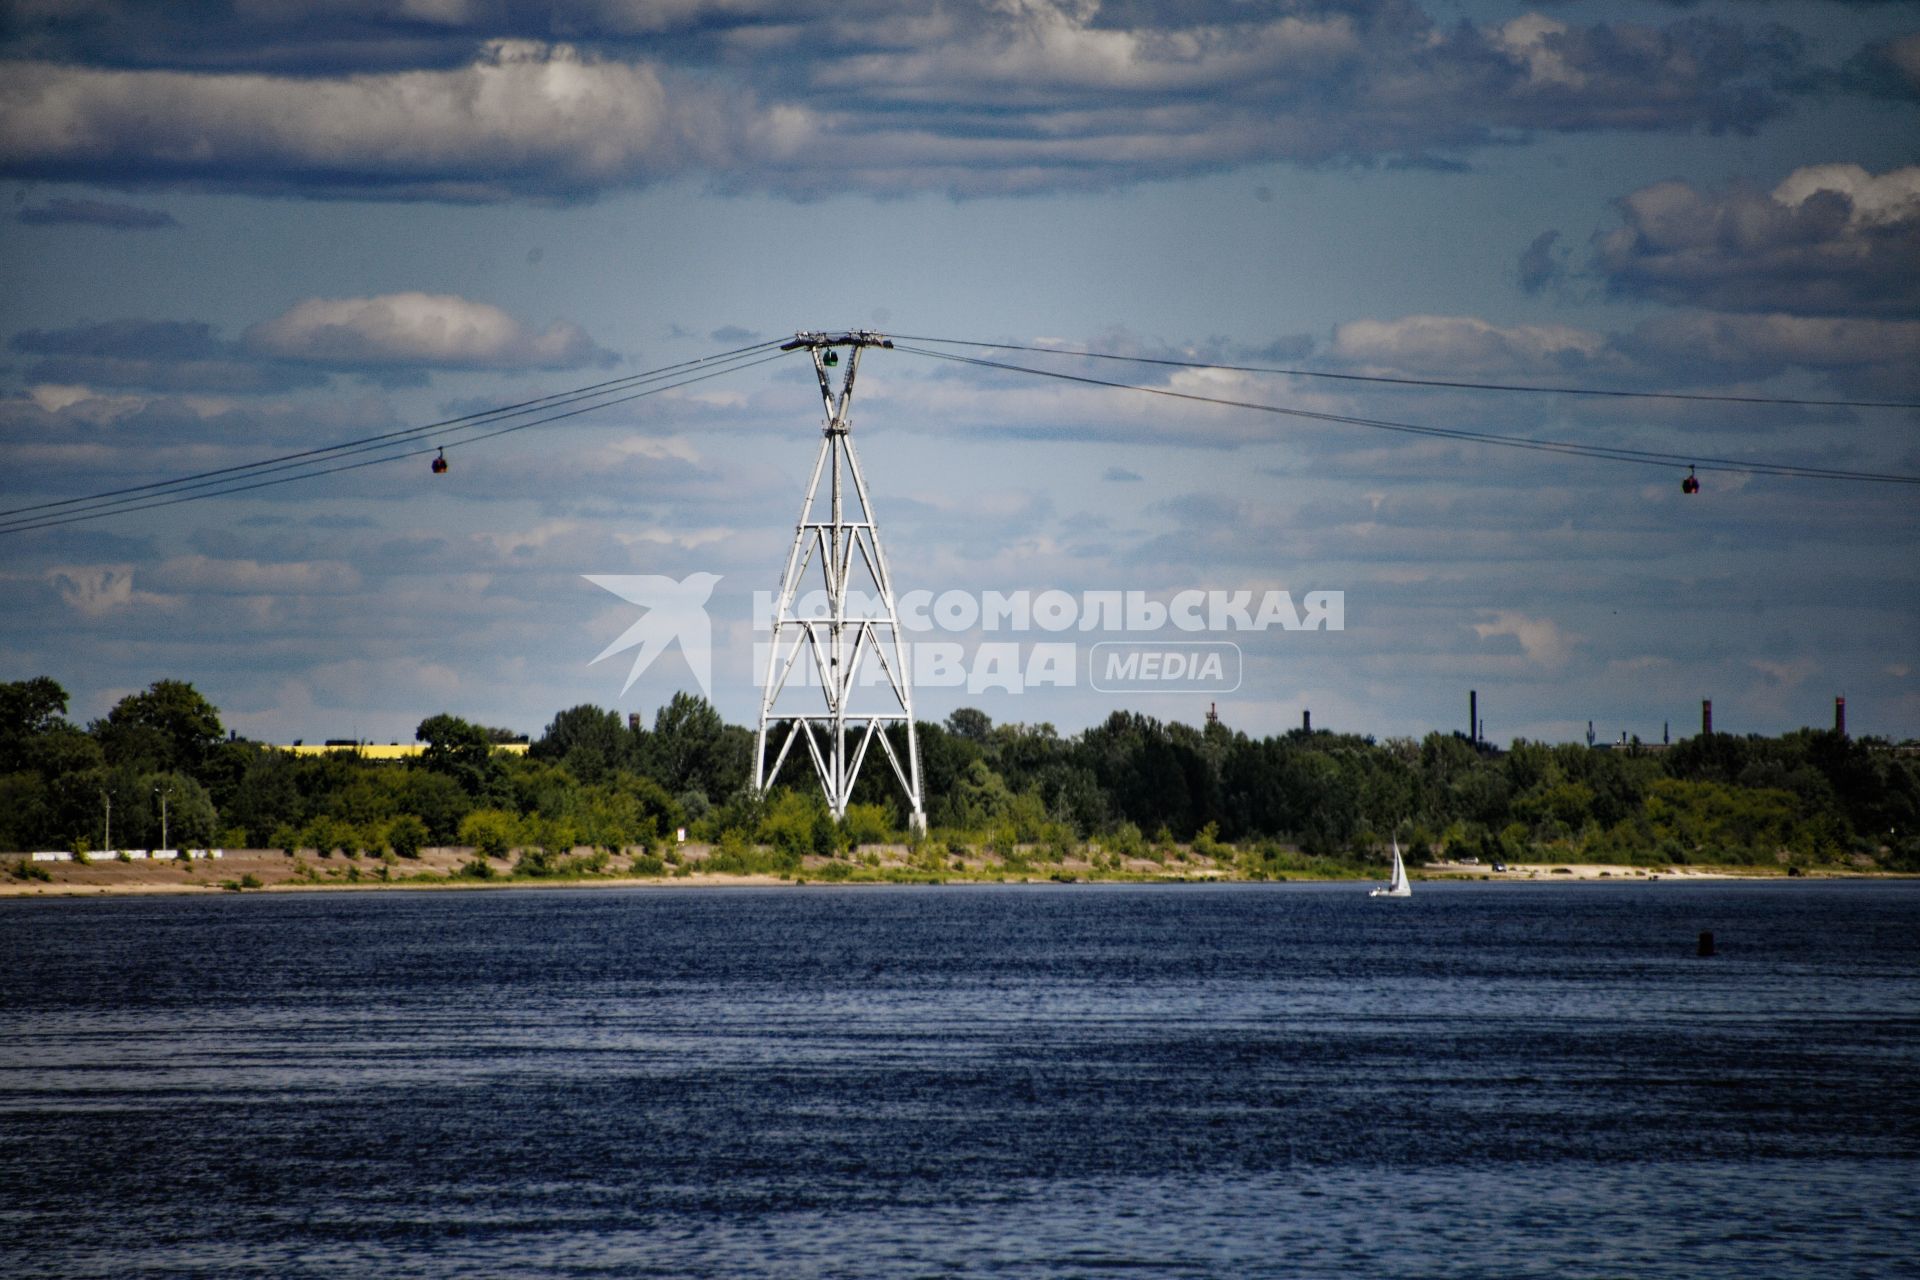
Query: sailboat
(1398, 886)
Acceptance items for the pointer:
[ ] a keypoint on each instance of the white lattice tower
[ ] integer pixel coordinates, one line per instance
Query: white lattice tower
(826, 643)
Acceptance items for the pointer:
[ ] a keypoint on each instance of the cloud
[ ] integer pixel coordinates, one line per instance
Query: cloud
(732, 335)
(1860, 355)
(392, 335)
(1830, 239)
(1540, 264)
(523, 119)
(203, 575)
(1541, 639)
(418, 330)
(1122, 475)
(95, 591)
(95, 213)
(1785, 674)
(156, 355)
(1457, 346)
(998, 96)
(1887, 68)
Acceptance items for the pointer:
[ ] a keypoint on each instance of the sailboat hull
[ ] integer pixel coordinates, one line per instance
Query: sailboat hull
(1399, 886)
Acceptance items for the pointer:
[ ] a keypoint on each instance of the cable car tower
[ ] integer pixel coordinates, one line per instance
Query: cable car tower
(839, 549)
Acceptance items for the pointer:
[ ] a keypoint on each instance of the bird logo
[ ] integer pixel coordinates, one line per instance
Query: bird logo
(675, 610)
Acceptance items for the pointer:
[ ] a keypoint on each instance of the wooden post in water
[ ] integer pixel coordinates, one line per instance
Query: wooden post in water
(1706, 942)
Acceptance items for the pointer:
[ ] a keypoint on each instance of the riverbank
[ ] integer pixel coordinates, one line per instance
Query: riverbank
(273, 870)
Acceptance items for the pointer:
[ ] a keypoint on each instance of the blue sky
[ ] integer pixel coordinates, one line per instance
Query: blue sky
(237, 229)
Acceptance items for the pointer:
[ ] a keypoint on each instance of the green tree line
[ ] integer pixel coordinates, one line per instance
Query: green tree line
(1130, 783)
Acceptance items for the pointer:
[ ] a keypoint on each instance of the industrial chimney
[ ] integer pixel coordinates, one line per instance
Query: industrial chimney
(1840, 716)
(1706, 717)
(1473, 715)
(1306, 720)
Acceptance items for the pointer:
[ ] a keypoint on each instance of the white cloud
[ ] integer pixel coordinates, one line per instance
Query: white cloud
(1785, 674)
(1000, 96)
(523, 118)
(1541, 639)
(205, 575)
(415, 329)
(95, 591)
(1464, 345)
(1828, 239)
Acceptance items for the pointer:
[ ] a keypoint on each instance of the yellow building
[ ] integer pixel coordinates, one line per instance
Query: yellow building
(383, 750)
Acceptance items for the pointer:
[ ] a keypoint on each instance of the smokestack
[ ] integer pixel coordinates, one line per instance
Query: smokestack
(1840, 716)
(1306, 721)
(1473, 715)
(633, 719)
(1706, 717)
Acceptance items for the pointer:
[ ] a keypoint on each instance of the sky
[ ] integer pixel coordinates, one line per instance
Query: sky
(232, 230)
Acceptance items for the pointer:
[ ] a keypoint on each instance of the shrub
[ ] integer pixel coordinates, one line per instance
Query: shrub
(868, 824)
(406, 834)
(490, 832)
(1060, 841)
(1207, 844)
(792, 824)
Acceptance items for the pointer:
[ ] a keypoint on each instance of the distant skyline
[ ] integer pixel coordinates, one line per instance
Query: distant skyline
(233, 230)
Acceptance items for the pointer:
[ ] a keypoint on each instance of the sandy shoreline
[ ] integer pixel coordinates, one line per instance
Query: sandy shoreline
(271, 871)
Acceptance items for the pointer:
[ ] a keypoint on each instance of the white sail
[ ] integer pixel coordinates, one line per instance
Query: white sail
(1398, 886)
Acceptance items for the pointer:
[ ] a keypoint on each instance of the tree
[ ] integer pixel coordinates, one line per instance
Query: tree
(189, 815)
(28, 709)
(688, 745)
(169, 727)
(589, 741)
(457, 749)
(266, 796)
(970, 724)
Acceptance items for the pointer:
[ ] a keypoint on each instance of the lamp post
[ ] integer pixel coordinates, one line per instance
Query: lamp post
(107, 841)
(161, 792)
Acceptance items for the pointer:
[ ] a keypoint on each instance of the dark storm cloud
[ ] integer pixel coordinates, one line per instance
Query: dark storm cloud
(95, 213)
(462, 102)
(1828, 240)
(1887, 68)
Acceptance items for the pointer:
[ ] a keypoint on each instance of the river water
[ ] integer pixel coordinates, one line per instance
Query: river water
(1257, 1080)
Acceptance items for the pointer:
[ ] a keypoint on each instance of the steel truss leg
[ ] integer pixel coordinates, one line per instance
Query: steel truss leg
(841, 553)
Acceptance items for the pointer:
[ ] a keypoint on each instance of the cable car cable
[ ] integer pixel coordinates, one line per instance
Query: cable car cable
(1610, 453)
(533, 405)
(152, 501)
(1427, 382)
(431, 431)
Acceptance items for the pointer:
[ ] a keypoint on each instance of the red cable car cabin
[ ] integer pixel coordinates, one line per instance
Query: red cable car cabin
(440, 463)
